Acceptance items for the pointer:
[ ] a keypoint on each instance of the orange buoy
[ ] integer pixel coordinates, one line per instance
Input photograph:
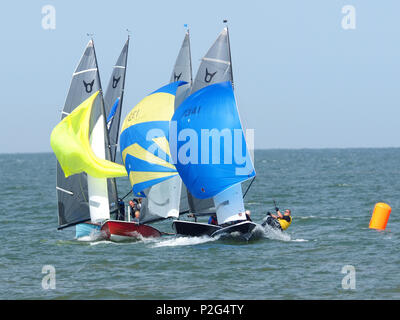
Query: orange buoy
(380, 216)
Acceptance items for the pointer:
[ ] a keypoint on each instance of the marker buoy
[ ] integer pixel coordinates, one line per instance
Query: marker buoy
(380, 216)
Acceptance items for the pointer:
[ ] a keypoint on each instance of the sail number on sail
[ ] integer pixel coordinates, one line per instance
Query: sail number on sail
(192, 111)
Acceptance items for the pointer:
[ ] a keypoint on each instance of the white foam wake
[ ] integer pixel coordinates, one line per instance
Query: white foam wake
(275, 234)
(183, 241)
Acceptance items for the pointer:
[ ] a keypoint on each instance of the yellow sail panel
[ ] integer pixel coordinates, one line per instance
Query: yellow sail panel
(138, 152)
(146, 179)
(155, 107)
(163, 143)
(70, 143)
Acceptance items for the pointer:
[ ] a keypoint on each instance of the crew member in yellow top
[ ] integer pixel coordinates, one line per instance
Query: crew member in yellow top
(280, 221)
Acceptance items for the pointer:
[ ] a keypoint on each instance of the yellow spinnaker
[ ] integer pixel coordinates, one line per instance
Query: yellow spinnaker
(70, 143)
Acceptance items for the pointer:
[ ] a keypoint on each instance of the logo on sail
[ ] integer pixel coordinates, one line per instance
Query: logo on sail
(209, 76)
(115, 82)
(88, 86)
(177, 77)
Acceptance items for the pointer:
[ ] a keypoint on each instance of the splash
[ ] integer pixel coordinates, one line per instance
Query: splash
(273, 234)
(94, 236)
(184, 241)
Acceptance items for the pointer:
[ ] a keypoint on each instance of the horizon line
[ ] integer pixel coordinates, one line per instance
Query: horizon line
(256, 149)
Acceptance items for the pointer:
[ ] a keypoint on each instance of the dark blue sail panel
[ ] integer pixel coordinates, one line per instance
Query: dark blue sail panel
(110, 117)
(211, 153)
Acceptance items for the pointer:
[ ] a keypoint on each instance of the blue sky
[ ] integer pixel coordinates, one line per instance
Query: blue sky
(301, 80)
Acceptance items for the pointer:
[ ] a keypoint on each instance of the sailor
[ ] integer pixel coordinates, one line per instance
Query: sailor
(121, 211)
(279, 221)
(133, 207)
(137, 217)
(213, 220)
(247, 213)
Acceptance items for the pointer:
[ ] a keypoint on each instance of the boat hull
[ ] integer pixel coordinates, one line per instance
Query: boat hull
(194, 229)
(242, 230)
(116, 230)
(87, 229)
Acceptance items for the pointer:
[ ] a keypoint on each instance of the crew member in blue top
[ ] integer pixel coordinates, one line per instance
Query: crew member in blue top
(213, 220)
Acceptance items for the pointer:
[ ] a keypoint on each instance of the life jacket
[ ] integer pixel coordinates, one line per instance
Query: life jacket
(285, 224)
(213, 220)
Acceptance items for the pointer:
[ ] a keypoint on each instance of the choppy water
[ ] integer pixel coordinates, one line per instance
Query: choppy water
(331, 193)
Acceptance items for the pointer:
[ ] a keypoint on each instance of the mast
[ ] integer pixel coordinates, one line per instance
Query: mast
(229, 50)
(113, 100)
(190, 57)
(102, 191)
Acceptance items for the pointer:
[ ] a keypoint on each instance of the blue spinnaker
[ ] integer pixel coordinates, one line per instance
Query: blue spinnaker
(211, 153)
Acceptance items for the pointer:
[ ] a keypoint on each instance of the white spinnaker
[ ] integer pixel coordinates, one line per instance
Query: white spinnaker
(97, 187)
(229, 204)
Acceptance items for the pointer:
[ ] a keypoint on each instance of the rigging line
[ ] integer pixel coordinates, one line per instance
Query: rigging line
(126, 195)
(249, 187)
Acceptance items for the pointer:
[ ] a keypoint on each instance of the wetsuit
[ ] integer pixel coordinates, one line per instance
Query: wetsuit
(121, 213)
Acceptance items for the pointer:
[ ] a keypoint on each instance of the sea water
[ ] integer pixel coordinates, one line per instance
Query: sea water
(328, 252)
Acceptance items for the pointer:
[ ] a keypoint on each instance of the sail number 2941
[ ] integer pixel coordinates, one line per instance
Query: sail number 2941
(192, 111)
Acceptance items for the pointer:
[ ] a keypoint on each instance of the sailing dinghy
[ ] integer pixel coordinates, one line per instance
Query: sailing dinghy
(85, 173)
(147, 159)
(168, 198)
(86, 169)
(219, 168)
(80, 143)
(113, 106)
(216, 67)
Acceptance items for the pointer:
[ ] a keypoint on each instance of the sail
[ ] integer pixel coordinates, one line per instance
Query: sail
(216, 64)
(229, 205)
(162, 200)
(73, 149)
(72, 192)
(79, 194)
(183, 71)
(220, 159)
(169, 198)
(215, 67)
(114, 97)
(144, 142)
